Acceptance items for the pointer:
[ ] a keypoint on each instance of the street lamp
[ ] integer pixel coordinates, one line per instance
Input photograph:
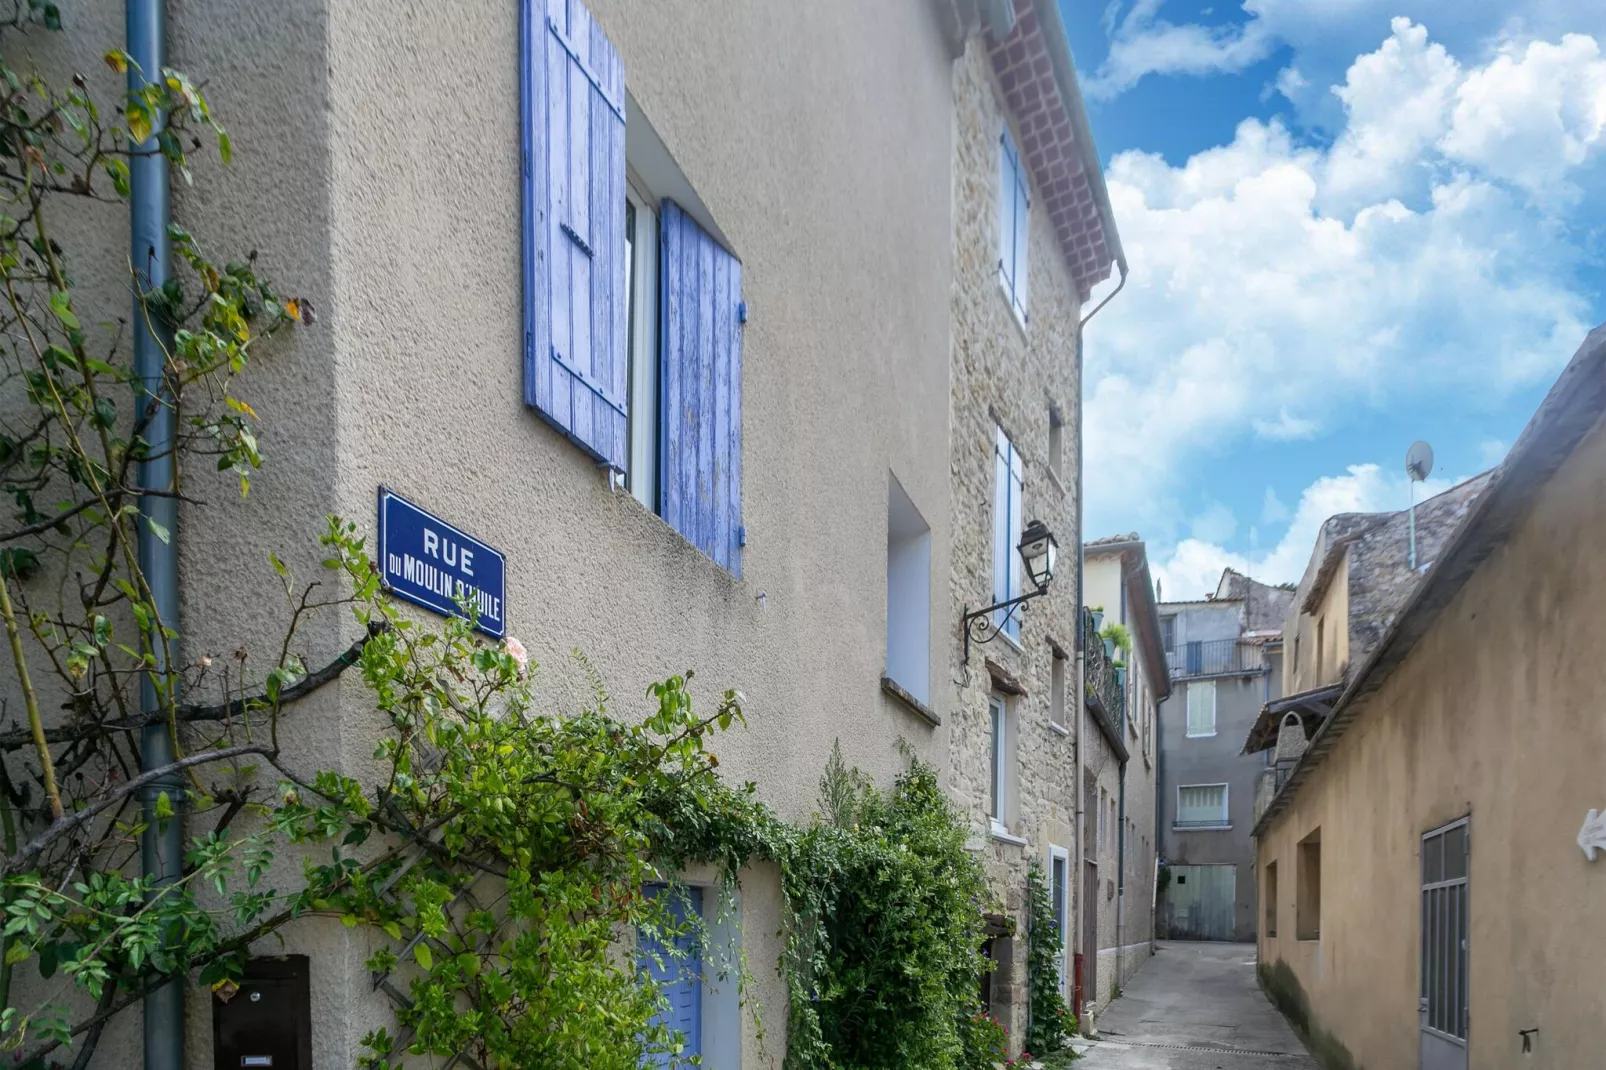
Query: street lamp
(1038, 549)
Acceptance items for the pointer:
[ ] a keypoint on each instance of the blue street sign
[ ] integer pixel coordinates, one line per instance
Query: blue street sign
(430, 563)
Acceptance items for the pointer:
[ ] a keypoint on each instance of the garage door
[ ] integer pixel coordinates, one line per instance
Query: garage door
(1200, 902)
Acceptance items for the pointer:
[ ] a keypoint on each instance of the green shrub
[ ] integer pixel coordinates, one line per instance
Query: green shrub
(886, 927)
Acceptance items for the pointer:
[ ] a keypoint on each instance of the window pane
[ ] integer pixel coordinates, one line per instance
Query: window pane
(1455, 852)
(1022, 220)
(1001, 519)
(997, 797)
(1433, 859)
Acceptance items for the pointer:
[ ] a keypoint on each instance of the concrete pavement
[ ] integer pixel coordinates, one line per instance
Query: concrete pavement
(1195, 1006)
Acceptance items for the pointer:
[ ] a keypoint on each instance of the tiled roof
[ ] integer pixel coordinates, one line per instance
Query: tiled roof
(1048, 124)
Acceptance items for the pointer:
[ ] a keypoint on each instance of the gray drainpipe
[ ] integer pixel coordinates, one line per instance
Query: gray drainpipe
(162, 845)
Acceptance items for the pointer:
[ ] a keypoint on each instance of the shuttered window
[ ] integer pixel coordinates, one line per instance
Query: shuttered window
(700, 339)
(1202, 708)
(1013, 216)
(1008, 489)
(1201, 805)
(573, 131)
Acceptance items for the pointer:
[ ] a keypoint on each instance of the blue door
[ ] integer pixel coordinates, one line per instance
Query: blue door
(678, 972)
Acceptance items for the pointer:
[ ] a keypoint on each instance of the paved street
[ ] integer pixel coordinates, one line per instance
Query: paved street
(1196, 1006)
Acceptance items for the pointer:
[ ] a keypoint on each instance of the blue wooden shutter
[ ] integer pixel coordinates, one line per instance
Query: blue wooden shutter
(700, 337)
(575, 363)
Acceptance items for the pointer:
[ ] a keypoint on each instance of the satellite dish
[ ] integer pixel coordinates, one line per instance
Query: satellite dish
(1419, 461)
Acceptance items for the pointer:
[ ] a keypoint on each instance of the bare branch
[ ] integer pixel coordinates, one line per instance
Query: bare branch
(57, 829)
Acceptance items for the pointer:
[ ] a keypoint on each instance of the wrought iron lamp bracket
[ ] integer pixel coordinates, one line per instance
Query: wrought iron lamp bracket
(979, 625)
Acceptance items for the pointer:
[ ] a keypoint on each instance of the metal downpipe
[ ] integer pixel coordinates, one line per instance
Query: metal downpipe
(161, 847)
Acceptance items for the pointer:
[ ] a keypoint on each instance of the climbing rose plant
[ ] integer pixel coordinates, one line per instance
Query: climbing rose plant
(1049, 1020)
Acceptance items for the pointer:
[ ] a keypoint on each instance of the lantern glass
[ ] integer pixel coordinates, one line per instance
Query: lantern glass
(1038, 550)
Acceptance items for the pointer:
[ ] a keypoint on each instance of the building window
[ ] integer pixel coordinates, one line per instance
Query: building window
(680, 408)
(1202, 708)
(1168, 634)
(1202, 806)
(1308, 889)
(1056, 443)
(1056, 688)
(1014, 207)
(1321, 650)
(1270, 894)
(1103, 824)
(1001, 750)
(908, 595)
(1008, 486)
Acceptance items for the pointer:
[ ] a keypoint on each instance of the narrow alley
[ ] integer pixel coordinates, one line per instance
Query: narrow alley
(1195, 1006)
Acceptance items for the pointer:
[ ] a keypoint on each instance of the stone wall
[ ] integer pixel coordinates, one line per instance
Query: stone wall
(1008, 374)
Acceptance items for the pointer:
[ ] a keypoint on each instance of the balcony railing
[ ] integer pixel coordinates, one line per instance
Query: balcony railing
(1216, 657)
(1103, 683)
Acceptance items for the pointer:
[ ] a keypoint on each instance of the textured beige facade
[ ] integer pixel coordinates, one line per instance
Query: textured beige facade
(1493, 715)
(852, 162)
(377, 171)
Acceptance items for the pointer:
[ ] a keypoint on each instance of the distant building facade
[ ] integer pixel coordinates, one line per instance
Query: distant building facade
(1225, 660)
(1118, 762)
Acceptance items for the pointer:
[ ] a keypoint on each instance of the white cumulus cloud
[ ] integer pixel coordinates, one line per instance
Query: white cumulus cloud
(1277, 286)
(1192, 569)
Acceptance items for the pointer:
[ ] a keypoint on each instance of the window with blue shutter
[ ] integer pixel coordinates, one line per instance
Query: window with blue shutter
(573, 131)
(700, 392)
(1008, 570)
(674, 961)
(1014, 204)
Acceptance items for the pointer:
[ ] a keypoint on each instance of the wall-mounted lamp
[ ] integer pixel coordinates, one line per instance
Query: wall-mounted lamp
(1038, 550)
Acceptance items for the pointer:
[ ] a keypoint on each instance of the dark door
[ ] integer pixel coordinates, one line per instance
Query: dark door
(1090, 935)
(268, 1022)
(1446, 854)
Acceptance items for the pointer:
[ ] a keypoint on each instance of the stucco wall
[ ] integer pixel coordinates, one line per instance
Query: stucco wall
(1494, 714)
(377, 170)
(1004, 374)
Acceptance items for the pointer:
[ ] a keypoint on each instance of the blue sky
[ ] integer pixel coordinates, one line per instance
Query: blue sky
(1351, 224)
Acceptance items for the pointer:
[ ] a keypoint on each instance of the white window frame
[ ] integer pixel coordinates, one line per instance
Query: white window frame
(642, 276)
(1226, 809)
(1200, 687)
(998, 733)
(1014, 225)
(1062, 953)
(1009, 487)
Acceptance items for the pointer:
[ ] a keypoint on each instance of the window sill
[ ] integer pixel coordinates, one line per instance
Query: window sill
(1009, 640)
(1061, 729)
(893, 689)
(1200, 735)
(1201, 828)
(1001, 834)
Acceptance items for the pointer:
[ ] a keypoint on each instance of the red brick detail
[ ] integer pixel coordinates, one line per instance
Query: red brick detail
(1026, 75)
